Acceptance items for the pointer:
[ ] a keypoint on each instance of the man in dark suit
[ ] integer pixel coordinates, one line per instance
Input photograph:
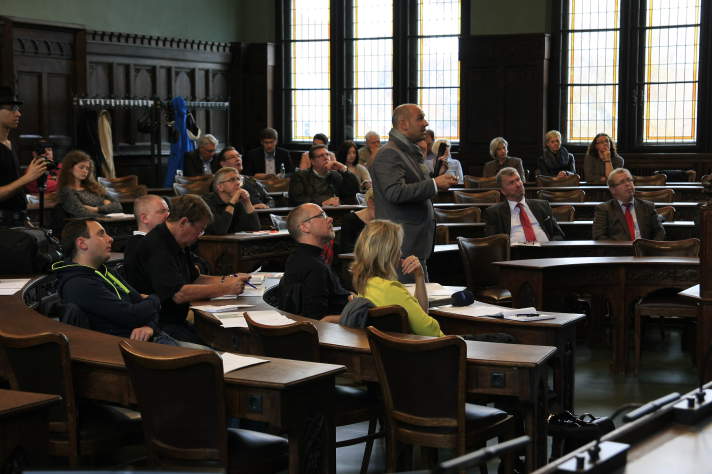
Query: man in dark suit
(267, 158)
(624, 217)
(524, 220)
(402, 187)
(199, 161)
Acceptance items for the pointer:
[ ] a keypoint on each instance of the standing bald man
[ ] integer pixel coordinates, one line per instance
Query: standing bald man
(402, 187)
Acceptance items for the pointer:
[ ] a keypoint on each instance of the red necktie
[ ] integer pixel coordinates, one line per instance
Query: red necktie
(526, 224)
(629, 221)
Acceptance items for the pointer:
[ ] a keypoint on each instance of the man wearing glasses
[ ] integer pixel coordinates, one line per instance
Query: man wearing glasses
(625, 217)
(12, 196)
(309, 287)
(232, 209)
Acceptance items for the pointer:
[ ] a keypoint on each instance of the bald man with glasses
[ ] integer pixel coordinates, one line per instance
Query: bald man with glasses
(309, 287)
(625, 217)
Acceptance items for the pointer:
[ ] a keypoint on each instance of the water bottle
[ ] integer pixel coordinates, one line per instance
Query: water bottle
(282, 171)
(179, 173)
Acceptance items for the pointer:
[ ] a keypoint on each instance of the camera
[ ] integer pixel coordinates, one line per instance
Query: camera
(40, 150)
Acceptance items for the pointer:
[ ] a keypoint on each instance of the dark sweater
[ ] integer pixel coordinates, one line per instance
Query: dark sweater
(111, 304)
(305, 186)
(226, 223)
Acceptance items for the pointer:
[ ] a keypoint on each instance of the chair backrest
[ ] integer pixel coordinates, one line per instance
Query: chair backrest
(564, 213)
(667, 212)
(128, 192)
(41, 363)
(391, 318)
(466, 214)
(442, 235)
(679, 175)
(653, 180)
(574, 195)
(278, 222)
(478, 253)
(41, 292)
(434, 369)
(659, 195)
(193, 179)
(129, 181)
(479, 182)
(554, 181)
(182, 422)
(666, 248)
(198, 187)
(274, 185)
(297, 341)
(484, 196)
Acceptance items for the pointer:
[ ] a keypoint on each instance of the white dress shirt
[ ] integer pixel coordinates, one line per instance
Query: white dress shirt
(516, 234)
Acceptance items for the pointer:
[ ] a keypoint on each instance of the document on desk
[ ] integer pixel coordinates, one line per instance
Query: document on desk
(235, 362)
(266, 317)
(490, 310)
(117, 215)
(11, 286)
(209, 308)
(433, 289)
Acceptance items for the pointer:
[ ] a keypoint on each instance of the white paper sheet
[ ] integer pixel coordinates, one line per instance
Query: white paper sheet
(8, 291)
(209, 308)
(433, 289)
(235, 322)
(13, 284)
(270, 317)
(120, 214)
(235, 362)
(483, 309)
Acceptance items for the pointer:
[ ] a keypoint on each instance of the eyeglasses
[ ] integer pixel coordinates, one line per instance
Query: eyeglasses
(10, 107)
(624, 181)
(232, 180)
(322, 215)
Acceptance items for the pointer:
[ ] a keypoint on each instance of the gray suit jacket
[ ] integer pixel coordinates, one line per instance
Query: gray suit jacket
(499, 219)
(609, 222)
(402, 191)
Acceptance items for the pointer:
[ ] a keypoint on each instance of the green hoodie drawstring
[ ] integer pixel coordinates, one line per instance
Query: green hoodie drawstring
(110, 279)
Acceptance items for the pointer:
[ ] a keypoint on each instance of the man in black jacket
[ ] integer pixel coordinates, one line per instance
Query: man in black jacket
(268, 158)
(524, 220)
(111, 305)
(199, 162)
(231, 206)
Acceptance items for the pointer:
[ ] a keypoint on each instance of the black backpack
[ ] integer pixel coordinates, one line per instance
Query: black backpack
(25, 251)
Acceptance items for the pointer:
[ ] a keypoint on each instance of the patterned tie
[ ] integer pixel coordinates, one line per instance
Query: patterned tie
(629, 221)
(526, 224)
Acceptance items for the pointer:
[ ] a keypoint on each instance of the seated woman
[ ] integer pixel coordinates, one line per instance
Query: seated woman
(377, 255)
(353, 223)
(601, 158)
(79, 193)
(555, 160)
(444, 162)
(499, 151)
(348, 155)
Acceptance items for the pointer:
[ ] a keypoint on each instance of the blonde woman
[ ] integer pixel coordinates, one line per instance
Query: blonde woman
(377, 255)
(79, 193)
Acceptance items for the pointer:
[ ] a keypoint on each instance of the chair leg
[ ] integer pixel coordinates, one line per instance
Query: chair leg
(372, 425)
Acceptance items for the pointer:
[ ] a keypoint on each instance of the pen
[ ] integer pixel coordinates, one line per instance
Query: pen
(248, 283)
(528, 315)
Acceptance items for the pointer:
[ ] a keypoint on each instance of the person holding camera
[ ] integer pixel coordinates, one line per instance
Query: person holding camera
(444, 162)
(45, 151)
(13, 202)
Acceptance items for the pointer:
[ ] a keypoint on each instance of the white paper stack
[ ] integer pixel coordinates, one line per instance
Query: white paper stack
(12, 285)
(209, 308)
(433, 289)
(234, 362)
(267, 317)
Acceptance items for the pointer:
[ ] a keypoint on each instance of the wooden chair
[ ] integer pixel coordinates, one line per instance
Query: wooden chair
(667, 212)
(129, 181)
(300, 341)
(466, 214)
(199, 187)
(558, 181)
(574, 195)
(664, 303)
(127, 192)
(479, 182)
(689, 176)
(423, 387)
(193, 179)
(391, 318)
(185, 422)
(480, 197)
(278, 222)
(564, 213)
(659, 195)
(442, 235)
(654, 180)
(41, 363)
(275, 184)
(477, 254)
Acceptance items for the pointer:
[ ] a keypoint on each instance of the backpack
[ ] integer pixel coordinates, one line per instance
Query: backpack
(25, 251)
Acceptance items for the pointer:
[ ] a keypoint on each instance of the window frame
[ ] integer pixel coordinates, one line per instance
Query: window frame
(631, 108)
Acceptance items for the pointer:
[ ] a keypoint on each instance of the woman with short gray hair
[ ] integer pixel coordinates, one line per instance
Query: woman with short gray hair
(555, 160)
(499, 151)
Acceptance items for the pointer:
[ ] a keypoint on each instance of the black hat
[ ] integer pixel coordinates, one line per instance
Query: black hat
(8, 97)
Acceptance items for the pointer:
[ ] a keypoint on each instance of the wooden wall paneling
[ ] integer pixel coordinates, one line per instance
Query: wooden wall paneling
(257, 111)
(504, 93)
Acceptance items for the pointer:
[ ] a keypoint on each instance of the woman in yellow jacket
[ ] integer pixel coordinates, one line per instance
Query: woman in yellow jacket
(377, 254)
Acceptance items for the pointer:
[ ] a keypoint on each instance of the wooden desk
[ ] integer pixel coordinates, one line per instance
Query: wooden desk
(622, 280)
(688, 192)
(244, 252)
(499, 371)
(704, 329)
(658, 443)
(24, 429)
(293, 396)
(559, 332)
(585, 210)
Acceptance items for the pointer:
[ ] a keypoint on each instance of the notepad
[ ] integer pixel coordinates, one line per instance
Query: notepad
(233, 362)
(483, 309)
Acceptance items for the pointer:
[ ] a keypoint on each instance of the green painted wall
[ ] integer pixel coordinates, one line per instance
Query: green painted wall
(213, 20)
(507, 17)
